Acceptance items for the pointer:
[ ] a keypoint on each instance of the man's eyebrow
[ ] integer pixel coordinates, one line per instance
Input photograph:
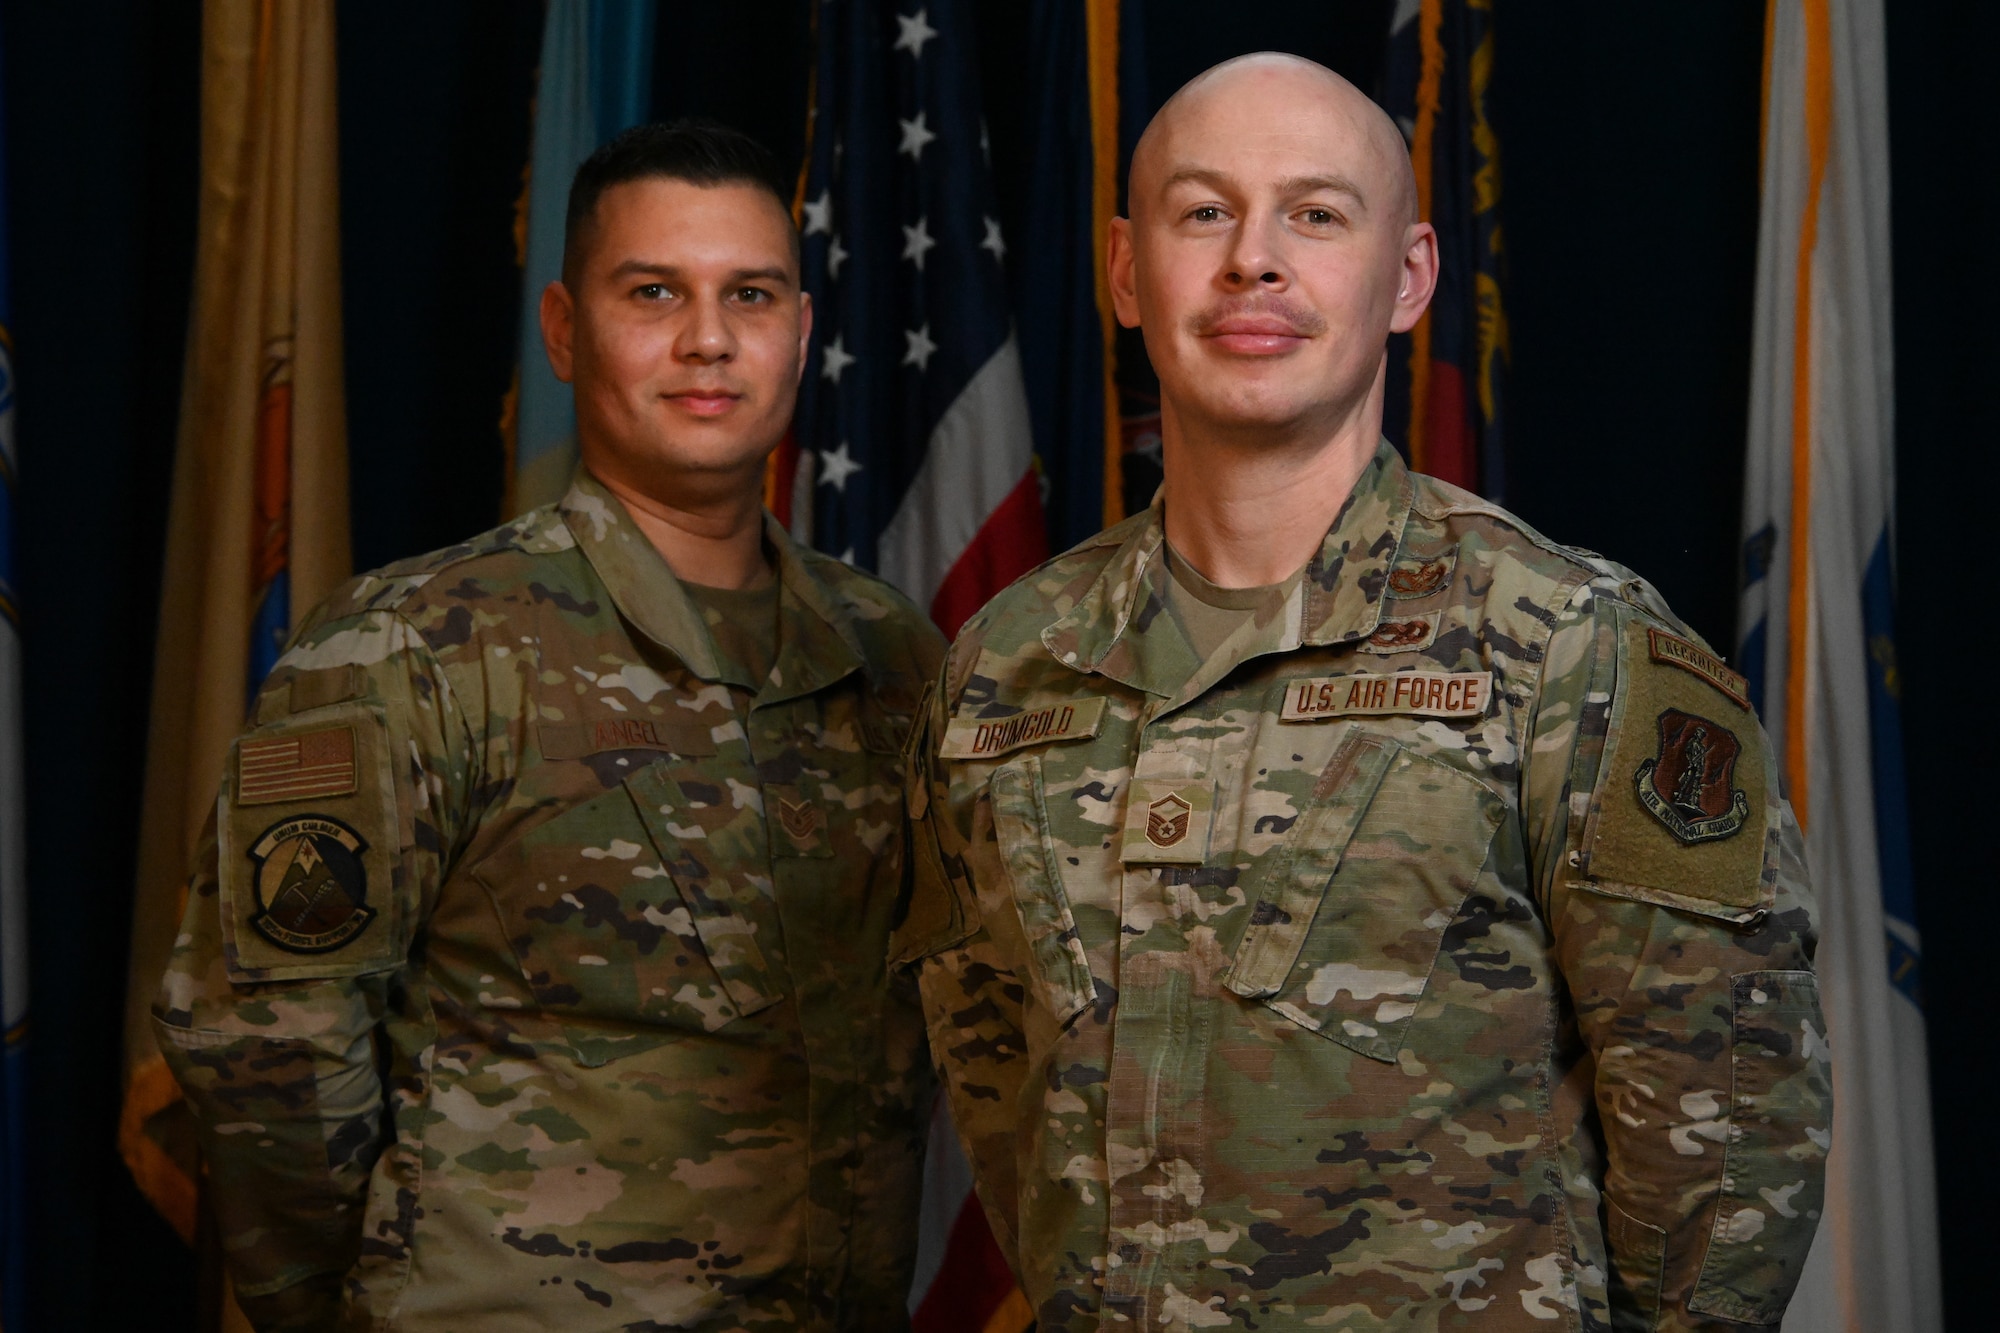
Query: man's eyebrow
(1215, 180)
(1290, 187)
(634, 268)
(1293, 186)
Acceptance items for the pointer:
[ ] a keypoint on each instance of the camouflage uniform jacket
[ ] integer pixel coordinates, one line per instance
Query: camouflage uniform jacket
(1435, 955)
(532, 974)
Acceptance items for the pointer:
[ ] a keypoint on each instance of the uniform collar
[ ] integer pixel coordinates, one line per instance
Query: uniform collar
(818, 642)
(1340, 601)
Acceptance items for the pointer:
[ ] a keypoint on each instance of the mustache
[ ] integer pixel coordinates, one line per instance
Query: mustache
(1299, 319)
(706, 388)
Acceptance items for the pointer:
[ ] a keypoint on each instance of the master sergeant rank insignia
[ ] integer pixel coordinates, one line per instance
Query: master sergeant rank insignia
(1167, 820)
(312, 891)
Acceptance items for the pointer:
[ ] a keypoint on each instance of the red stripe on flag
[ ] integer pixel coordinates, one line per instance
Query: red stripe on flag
(1012, 541)
(1448, 428)
(973, 1282)
(779, 471)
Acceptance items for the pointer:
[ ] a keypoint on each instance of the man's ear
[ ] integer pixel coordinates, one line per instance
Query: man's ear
(805, 332)
(1418, 279)
(1118, 265)
(558, 328)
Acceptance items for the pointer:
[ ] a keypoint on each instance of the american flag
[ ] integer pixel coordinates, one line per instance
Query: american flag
(915, 452)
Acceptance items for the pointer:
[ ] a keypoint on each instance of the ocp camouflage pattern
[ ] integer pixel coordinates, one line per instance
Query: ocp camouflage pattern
(1440, 1027)
(617, 1048)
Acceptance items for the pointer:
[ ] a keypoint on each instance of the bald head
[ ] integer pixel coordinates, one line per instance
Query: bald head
(1271, 249)
(1273, 96)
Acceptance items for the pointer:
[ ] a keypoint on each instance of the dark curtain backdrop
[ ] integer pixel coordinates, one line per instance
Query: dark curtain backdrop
(1629, 136)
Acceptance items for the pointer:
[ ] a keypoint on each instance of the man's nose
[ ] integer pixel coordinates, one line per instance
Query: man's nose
(705, 337)
(1256, 257)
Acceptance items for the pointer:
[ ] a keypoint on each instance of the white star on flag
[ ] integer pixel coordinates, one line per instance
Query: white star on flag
(819, 213)
(836, 466)
(993, 240)
(915, 136)
(920, 346)
(916, 241)
(916, 30)
(836, 255)
(837, 360)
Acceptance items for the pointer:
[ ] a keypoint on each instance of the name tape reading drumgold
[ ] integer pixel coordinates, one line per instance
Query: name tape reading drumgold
(1418, 693)
(982, 738)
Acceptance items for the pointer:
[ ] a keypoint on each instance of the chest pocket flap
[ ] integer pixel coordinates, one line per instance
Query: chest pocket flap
(1351, 912)
(621, 915)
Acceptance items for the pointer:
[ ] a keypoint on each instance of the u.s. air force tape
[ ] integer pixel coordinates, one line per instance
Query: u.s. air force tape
(985, 737)
(1417, 693)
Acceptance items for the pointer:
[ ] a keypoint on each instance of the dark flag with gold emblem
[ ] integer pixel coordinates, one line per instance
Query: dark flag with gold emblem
(258, 520)
(1447, 377)
(13, 852)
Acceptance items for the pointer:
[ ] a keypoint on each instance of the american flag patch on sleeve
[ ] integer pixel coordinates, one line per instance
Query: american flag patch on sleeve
(297, 767)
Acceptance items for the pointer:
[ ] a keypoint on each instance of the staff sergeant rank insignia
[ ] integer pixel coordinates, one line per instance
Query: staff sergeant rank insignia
(1688, 786)
(312, 892)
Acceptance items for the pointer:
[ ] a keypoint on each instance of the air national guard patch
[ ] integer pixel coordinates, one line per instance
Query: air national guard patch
(312, 892)
(986, 737)
(1460, 694)
(1683, 802)
(1689, 785)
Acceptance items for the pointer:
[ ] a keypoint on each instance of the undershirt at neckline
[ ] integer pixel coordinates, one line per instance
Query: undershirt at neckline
(743, 622)
(1208, 614)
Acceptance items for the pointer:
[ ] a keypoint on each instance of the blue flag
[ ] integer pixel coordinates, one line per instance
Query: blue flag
(596, 79)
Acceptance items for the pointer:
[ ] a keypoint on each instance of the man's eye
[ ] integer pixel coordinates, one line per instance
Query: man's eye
(652, 291)
(752, 295)
(1319, 217)
(1205, 213)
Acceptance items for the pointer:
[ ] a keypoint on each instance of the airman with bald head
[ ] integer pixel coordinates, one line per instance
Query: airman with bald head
(1336, 905)
(1268, 257)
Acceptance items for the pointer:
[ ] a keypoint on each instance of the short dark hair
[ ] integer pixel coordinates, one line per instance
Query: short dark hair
(696, 150)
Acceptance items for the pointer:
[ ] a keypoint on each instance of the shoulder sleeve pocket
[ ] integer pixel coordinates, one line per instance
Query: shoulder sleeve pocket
(937, 912)
(1774, 1167)
(1684, 808)
(311, 833)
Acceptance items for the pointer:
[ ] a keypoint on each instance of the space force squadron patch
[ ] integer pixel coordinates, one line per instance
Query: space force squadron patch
(1689, 785)
(311, 886)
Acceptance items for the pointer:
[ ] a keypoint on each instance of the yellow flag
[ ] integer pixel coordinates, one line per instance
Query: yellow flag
(257, 530)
